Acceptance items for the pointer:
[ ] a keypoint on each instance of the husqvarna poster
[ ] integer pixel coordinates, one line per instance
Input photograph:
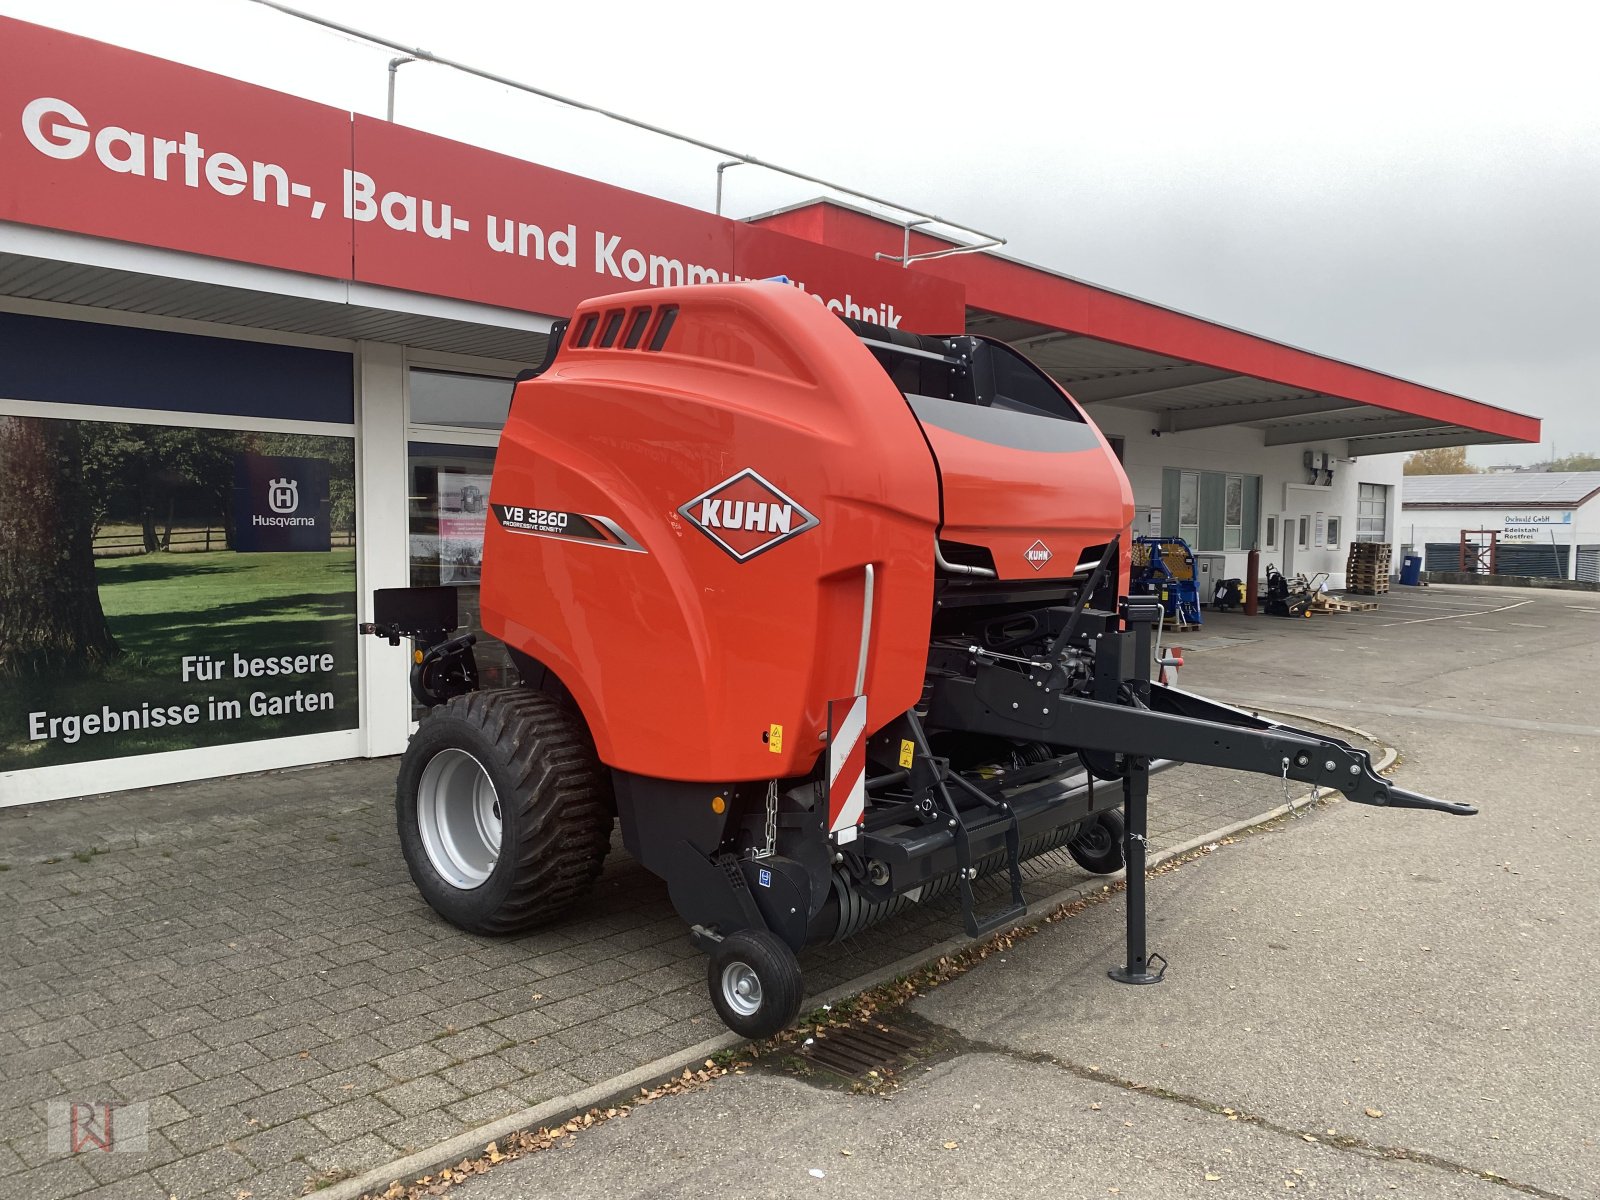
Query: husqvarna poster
(280, 503)
(165, 587)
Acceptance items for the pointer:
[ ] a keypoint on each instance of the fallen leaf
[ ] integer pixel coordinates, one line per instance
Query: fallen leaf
(1310, 1137)
(846, 1153)
(1095, 1106)
(1210, 1178)
(950, 1145)
(1374, 1112)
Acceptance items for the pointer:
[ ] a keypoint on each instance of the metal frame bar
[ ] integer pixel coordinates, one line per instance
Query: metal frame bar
(518, 85)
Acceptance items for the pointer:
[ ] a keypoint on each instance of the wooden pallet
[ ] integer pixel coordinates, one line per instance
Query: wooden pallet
(1339, 604)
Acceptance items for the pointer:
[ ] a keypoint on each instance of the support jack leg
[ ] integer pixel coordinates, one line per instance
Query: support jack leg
(1135, 798)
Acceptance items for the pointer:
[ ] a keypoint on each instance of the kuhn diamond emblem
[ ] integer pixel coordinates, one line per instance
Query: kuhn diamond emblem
(1037, 555)
(747, 516)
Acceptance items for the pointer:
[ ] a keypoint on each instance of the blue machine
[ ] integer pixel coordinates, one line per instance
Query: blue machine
(1164, 567)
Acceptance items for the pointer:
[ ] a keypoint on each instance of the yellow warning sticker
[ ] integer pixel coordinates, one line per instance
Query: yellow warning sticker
(775, 739)
(907, 749)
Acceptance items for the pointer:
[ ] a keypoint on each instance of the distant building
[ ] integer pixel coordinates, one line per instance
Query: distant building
(1544, 523)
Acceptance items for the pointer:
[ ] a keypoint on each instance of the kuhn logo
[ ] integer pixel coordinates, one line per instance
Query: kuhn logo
(747, 516)
(1037, 555)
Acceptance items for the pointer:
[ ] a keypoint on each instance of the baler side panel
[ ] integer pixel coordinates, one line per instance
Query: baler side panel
(682, 656)
(1070, 501)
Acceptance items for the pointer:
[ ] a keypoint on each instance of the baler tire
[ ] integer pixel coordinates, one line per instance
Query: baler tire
(1097, 847)
(761, 958)
(551, 795)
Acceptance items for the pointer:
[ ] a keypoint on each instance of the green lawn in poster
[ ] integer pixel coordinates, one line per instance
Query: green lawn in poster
(162, 608)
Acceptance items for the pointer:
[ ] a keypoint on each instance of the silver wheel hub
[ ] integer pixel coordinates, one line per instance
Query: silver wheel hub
(458, 817)
(741, 989)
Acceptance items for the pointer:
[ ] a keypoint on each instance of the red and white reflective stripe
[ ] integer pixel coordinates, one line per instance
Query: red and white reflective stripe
(847, 771)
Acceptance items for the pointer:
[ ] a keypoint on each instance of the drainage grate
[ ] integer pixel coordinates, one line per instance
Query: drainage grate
(855, 1050)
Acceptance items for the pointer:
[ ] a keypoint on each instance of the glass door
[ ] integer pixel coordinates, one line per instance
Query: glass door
(456, 419)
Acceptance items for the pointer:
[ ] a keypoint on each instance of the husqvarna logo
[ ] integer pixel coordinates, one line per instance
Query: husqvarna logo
(747, 516)
(283, 495)
(1038, 555)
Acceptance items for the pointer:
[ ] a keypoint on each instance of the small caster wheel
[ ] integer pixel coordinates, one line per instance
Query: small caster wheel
(755, 983)
(1097, 847)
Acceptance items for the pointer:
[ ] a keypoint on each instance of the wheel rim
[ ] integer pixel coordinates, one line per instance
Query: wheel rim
(1095, 841)
(458, 816)
(741, 989)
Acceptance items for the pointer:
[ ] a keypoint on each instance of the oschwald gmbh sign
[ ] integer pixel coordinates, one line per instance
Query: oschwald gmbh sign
(100, 140)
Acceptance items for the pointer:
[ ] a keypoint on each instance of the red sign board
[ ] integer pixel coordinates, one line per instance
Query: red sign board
(100, 140)
(433, 215)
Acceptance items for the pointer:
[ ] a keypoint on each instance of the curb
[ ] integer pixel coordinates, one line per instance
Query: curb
(563, 1108)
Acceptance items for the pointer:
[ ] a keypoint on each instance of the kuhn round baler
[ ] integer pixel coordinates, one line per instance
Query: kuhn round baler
(826, 614)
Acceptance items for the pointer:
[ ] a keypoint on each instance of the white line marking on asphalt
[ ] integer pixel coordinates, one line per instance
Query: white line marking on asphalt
(1526, 625)
(1482, 612)
(1575, 608)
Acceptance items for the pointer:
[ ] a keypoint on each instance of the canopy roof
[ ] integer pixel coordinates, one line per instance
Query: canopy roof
(1109, 348)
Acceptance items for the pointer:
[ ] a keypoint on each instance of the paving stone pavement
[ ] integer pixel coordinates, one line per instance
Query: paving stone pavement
(249, 958)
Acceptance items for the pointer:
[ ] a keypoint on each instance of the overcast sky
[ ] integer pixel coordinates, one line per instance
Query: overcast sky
(1414, 187)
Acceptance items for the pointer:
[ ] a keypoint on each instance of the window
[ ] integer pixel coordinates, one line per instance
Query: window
(1189, 508)
(1232, 511)
(1372, 513)
(464, 401)
(448, 503)
(456, 420)
(1333, 533)
(1211, 510)
(1303, 540)
(1272, 533)
(158, 547)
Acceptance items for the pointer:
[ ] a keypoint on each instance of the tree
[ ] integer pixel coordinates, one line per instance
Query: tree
(1445, 460)
(1576, 462)
(146, 473)
(50, 614)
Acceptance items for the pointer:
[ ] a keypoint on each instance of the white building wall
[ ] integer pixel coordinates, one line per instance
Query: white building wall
(1419, 526)
(1285, 490)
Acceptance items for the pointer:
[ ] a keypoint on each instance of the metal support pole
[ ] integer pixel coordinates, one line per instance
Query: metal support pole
(721, 167)
(1136, 812)
(394, 65)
